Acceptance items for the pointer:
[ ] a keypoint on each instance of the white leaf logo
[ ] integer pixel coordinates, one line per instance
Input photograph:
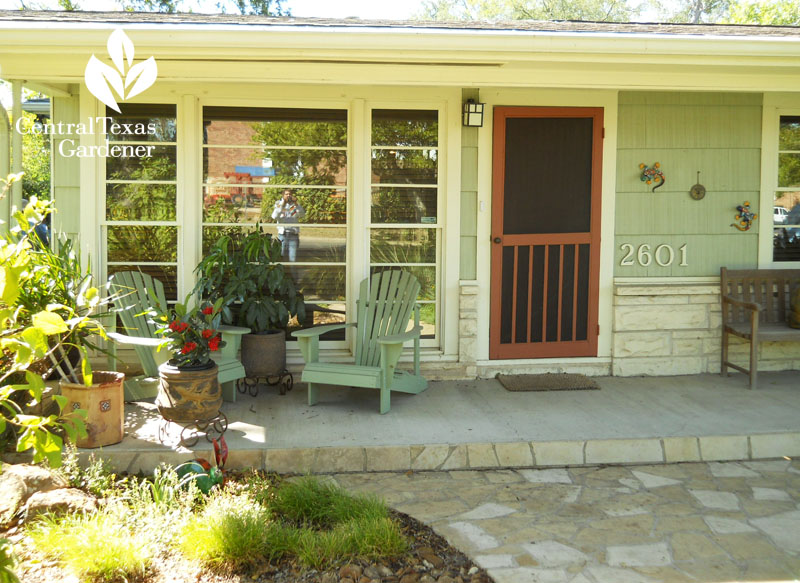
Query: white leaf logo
(101, 78)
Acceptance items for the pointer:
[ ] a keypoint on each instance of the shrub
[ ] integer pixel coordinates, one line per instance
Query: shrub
(95, 478)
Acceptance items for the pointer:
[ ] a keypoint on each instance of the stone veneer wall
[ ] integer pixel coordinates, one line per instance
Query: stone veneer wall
(671, 329)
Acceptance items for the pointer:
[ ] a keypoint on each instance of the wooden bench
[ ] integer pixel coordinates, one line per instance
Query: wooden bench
(755, 306)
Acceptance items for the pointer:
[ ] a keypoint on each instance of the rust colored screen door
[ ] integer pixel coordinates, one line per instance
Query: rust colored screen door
(545, 232)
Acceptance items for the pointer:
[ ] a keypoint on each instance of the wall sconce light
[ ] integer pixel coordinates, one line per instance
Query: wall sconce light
(473, 114)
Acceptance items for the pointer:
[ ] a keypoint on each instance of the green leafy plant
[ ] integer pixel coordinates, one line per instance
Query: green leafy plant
(241, 271)
(46, 307)
(190, 334)
(96, 478)
(7, 562)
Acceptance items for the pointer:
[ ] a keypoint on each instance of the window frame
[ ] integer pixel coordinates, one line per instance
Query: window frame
(774, 107)
(343, 105)
(103, 223)
(437, 342)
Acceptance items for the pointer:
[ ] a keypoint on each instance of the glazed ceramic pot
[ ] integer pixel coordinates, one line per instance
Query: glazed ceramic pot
(188, 394)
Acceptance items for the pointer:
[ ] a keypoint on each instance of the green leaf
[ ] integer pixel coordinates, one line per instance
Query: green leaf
(6, 316)
(26, 440)
(35, 385)
(9, 285)
(61, 401)
(86, 368)
(36, 341)
(49, 323)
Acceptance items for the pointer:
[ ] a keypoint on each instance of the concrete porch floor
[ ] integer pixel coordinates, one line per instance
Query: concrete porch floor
(478, 424)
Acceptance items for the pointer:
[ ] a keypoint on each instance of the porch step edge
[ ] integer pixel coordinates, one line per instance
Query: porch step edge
(473, 456)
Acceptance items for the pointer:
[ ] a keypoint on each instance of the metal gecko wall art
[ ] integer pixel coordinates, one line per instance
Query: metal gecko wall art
(652, 174)
(744, 217)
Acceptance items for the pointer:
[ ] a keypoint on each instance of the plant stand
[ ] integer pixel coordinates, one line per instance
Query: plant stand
(284, 380)
(190, 432)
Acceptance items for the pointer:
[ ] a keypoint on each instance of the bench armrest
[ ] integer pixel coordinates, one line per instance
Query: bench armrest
(742, 304)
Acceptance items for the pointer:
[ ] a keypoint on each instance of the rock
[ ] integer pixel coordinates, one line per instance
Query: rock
(445, 579)
(427, 579)
(385, 571)
(346, 580)
(365, 580)
(350, 572)
(18, 482)
(427, 554)
(473, 570)
(59, 501)
(372, 572)
(329, 578)
(410, 578)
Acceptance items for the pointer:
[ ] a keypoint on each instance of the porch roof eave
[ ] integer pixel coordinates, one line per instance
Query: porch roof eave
(394, 42)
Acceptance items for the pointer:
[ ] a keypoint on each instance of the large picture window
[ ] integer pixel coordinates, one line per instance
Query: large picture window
(405, 228)
(283, 171)
(140, 227)
(786, 203)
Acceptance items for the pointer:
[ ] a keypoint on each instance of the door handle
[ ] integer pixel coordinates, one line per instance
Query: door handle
(497, 240)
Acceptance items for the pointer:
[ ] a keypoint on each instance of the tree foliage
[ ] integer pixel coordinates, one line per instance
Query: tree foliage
(772, 12)
(593, 10)
(35, 160)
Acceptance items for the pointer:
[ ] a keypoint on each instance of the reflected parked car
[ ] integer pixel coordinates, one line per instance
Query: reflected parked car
(789, 234)
(779, 215)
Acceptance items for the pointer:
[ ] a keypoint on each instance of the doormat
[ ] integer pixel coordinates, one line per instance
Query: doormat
(547, 382)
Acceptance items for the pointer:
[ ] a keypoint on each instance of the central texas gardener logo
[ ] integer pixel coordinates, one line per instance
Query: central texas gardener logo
(127, 80)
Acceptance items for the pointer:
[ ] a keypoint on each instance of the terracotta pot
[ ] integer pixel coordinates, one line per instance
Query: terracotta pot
(104, 404)
(188, 395)
(264, 354)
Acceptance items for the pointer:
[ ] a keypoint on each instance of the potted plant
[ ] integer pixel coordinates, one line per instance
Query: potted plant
(47, 308)
(189, 391)
(242, 270)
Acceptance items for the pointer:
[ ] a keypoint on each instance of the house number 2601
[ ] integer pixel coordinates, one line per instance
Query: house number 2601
(663, 255)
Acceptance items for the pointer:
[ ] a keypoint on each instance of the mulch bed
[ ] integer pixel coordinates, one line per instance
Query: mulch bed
(431, 560)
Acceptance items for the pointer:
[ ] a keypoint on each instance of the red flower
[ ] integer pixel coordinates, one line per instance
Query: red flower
(188, 347)
(208, 333)
(173, 325)
(213, 344)
(208, 310)
(181, 326)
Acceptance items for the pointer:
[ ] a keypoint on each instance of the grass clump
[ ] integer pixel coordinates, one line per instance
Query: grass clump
(96, 547)
(231, 532)
(316, 523)
(309, 502)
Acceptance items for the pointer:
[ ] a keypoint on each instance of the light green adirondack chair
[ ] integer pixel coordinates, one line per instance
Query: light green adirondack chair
(131, 288)
(383, 311)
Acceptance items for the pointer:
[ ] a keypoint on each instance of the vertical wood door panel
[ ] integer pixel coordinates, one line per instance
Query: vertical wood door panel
(545, 232)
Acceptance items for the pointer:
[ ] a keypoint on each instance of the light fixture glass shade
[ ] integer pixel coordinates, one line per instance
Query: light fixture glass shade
(473, 114)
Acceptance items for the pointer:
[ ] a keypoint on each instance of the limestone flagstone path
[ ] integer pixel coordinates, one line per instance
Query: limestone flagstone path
(690, 522)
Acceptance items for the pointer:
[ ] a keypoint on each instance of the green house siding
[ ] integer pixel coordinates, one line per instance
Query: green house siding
(469, 196)
(717, 134)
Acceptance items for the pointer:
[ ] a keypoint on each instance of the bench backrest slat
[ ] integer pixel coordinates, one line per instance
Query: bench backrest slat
(770, 288)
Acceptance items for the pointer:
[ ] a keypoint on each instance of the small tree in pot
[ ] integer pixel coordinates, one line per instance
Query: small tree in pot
(243, 270)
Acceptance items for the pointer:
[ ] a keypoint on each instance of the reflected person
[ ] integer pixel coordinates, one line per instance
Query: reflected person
(287, 213)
